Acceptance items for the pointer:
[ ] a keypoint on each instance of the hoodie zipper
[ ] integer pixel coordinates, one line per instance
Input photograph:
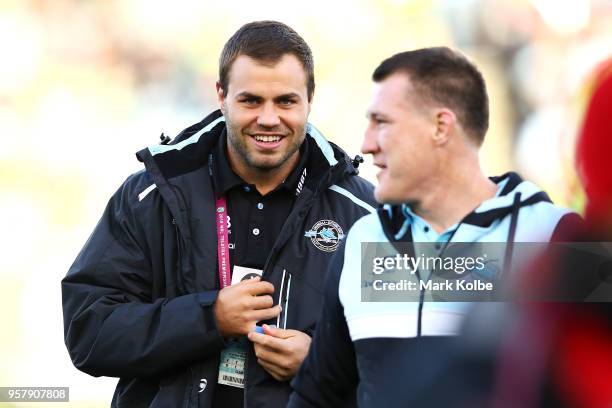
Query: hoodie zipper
(516, 205)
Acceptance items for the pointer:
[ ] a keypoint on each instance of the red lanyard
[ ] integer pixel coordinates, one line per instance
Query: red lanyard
(222, 242)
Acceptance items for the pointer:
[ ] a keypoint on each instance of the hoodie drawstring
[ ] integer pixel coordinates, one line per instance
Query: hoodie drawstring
(516, 205)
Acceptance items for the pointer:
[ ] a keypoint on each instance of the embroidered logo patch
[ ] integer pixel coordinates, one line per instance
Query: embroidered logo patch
(325, 235)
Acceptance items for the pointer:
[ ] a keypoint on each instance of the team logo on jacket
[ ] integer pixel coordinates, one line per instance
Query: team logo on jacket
(325, 235)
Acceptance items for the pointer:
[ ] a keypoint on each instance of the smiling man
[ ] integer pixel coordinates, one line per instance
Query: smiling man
(202, 283)
(426, 122)
(268, 106)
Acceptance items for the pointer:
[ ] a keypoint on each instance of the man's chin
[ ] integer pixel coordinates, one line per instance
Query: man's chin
(266, 165)
(268, 162)
(387, 197)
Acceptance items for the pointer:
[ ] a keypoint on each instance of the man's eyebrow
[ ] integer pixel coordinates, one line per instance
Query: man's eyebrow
(246, 94)
(289, 95)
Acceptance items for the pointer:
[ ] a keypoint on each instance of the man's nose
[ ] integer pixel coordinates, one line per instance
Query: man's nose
(268, 116)
(369, 145)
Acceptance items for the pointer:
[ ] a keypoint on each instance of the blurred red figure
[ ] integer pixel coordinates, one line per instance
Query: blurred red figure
(594, 151)
(560, 354)
(584, 364)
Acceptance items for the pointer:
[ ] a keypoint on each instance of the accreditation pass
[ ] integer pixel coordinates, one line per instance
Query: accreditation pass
(231, 366)
(233, 357)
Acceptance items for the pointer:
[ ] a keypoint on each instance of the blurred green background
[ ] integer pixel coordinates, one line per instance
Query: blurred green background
(85, 84)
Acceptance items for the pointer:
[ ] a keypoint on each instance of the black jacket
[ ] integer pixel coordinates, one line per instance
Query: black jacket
(138, 299)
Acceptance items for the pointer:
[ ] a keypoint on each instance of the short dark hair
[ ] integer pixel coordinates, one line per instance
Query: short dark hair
(443, 76)
(267, 42)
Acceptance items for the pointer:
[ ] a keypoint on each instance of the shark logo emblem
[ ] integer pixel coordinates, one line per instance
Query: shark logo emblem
(325, 235)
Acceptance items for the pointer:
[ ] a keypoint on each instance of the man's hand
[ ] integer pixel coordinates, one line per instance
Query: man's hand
(280, 351)
(239, 307)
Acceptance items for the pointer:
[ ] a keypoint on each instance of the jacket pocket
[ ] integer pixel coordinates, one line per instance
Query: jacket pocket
(149, 392)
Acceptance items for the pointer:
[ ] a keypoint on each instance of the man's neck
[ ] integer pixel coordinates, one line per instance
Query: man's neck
(452, 197)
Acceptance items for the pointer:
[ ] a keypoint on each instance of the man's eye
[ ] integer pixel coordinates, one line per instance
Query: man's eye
(286, 102)
(249, 101)
(379, 122)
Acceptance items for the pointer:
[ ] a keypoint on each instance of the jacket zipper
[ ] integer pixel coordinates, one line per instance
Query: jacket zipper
(193, 399)
(179, 250)
(178, 241)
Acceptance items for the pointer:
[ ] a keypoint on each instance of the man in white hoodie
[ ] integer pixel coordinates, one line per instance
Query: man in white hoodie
(426, 123)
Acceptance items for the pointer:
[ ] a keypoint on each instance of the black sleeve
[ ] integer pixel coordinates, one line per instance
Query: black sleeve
(328, 376)
(112, 326)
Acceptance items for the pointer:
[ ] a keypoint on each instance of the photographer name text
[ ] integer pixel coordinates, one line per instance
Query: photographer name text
(443, 286)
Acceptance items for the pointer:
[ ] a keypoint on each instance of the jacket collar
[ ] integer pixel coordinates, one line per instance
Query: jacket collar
(393, 219)
(191, 148)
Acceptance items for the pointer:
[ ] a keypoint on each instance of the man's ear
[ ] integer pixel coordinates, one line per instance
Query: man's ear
(445, 122)
(220, 97)
(310, 103)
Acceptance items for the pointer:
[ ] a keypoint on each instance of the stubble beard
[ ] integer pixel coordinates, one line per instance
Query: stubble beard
(239, 145)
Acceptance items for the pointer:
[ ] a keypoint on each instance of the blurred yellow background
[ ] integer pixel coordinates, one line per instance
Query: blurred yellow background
(85, 84)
